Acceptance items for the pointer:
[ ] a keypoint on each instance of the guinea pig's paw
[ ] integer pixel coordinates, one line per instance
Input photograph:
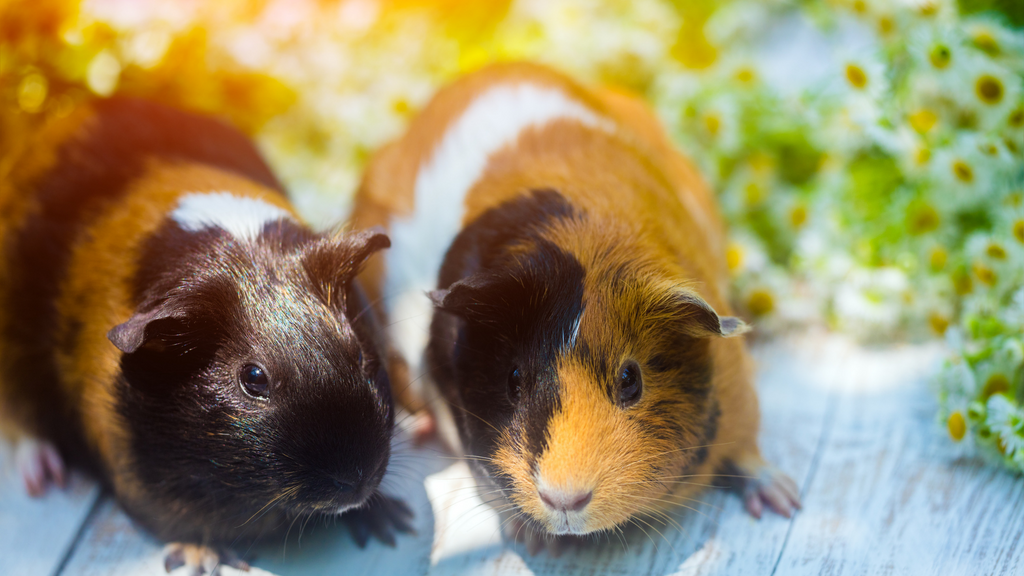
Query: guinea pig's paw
(200, 560)
(771, 487)
(381, 517)
(40, 465)
(424, 427)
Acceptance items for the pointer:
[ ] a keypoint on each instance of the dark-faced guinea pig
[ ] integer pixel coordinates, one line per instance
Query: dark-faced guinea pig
(167, 322)
(579, 351)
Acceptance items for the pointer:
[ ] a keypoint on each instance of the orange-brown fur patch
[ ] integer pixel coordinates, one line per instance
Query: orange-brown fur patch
(26, 157)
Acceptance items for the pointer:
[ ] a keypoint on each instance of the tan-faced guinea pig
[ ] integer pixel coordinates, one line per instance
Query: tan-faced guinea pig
(581, 352)
(167, 322)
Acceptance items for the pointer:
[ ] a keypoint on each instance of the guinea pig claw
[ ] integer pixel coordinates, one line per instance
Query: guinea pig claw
(772, 488)
(41, 466)
(382, 517)
(200, 560)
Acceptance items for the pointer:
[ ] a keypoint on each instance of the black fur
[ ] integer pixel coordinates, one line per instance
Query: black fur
(501, 312)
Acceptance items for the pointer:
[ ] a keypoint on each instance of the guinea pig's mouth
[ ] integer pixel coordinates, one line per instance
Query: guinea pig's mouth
(336, 499)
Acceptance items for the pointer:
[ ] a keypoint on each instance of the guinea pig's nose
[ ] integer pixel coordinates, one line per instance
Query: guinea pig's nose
(562, 502)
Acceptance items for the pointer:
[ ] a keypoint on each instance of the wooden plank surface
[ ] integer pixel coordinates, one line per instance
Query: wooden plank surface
(884, 490)
(36, 534)
(891, 496)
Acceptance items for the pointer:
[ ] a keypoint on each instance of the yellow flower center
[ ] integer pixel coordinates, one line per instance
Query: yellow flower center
(1018, 231)
(957, 426)
(401, 106)
(713, 123)
(734, 257)
(755, 193)
(986, 42)
(996, 251)
(928, 8)
(937, 258)
(997, 383)
(922, 156)
(856, 76)
(924, 219)
(760, 302)
(746, 75)
(923, 120)
(885, 25)
(940, 56)
(989, 89)
(963, 171)
(985, 274)
(798, 216)
(962, 283)
(1016, 118)
(938, 322)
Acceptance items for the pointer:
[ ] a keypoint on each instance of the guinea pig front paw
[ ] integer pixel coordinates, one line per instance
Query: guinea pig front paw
(40, 465)
(770, 486)
(381, 517)
(199, 560)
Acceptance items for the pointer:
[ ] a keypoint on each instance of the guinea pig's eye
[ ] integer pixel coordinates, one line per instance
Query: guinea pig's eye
(630, 384)
(515, 383)
(254, 381)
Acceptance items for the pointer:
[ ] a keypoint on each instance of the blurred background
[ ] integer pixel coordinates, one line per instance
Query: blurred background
(868, 154)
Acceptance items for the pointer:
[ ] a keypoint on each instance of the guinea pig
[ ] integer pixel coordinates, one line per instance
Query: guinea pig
(169, 324)
(579, 349)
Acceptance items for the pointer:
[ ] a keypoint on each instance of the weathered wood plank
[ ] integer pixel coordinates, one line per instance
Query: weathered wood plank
(890, 495)
(718, 538)
(37, 533)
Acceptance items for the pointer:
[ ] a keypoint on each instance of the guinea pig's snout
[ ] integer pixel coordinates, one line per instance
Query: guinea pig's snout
(343, 486)
(561, 501)
(564, 507)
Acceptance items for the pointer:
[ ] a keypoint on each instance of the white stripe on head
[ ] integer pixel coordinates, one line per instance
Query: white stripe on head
(493, 121)
(243, 218)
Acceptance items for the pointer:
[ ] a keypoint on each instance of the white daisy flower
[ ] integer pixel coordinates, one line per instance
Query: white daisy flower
(985, 91)
(1006, 421)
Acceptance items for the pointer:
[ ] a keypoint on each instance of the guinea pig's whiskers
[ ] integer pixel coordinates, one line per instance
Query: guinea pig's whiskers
(266, 507)
(661, 515)
(666, 483)
(464, 409)
(634, 521)
(659, 454)
(674, 503)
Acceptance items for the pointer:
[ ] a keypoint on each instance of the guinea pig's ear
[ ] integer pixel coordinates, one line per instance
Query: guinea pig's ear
(695, 317)
(468, 298)
(142, 327)
(339, 259)
(367, 242)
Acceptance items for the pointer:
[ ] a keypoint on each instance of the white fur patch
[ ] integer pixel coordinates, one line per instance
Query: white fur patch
(493, 121)
(243, 218)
